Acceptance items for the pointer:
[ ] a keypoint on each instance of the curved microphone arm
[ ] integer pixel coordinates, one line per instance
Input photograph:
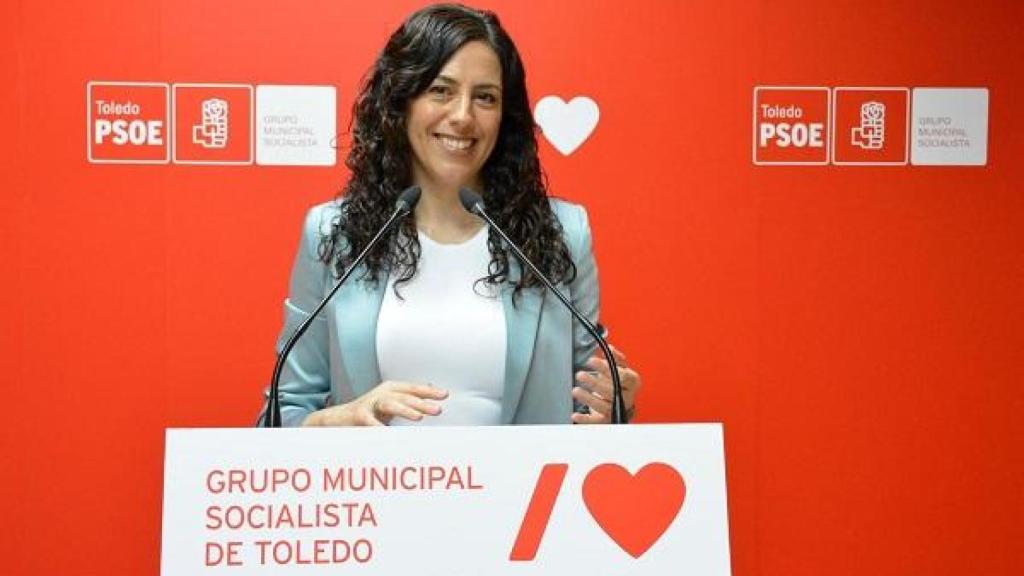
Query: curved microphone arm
(474, 203)
(272, 417)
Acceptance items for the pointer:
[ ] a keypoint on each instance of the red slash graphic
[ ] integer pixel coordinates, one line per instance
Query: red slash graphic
(531, 531)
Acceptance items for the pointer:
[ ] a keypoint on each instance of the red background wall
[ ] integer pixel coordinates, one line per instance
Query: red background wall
(856, 329)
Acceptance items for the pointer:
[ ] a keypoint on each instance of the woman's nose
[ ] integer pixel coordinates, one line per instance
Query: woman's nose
(462, 110)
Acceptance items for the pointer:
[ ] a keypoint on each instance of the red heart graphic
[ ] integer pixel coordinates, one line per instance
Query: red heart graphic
(635, 510)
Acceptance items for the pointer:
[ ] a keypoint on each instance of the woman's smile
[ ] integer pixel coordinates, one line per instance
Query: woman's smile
(455, 143)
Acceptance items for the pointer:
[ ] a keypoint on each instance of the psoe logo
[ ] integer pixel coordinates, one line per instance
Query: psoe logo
(127, 122)
(869, 126)
(870, 134)
(213, 124)
(791, 125)
(212, 131)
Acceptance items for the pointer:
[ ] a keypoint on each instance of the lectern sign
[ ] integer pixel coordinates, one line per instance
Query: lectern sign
(446, 501)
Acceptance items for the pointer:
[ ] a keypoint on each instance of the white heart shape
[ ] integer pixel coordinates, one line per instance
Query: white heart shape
(566, 126)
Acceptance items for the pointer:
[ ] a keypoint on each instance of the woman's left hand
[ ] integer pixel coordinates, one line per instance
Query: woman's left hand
(599, 381)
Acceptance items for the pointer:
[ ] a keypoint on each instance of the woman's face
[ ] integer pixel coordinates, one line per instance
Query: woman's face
(453, 125)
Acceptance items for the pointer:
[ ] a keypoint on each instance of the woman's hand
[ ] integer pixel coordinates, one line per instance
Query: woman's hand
(378, 406)
(599, 398)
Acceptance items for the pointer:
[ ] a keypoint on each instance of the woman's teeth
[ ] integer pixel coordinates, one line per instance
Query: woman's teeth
(455, 144)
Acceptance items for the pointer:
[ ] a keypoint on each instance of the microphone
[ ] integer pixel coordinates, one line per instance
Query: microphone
(474, 204)
(403, 206)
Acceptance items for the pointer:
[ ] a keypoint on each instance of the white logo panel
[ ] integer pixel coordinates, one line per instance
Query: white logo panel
(949, 127)
(296, 125)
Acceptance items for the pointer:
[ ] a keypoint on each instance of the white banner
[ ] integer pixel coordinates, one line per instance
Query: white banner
(451, 501)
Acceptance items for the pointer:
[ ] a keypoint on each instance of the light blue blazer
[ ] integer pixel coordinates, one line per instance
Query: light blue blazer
(336, 359)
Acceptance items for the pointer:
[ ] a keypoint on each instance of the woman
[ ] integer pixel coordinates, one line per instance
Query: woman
(441, 325)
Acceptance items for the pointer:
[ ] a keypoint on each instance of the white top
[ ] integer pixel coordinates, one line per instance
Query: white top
(448, 330)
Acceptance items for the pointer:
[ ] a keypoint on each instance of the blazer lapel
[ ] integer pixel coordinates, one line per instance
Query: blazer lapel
(521, 322)
(356, 311)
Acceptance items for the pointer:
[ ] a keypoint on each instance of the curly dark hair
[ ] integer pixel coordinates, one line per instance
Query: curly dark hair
(380, 158)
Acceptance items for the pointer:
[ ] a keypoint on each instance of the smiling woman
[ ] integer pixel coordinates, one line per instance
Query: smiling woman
(441, 326)
(453, 125)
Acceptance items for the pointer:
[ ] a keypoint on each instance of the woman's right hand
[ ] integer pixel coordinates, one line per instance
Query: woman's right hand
(382, 403)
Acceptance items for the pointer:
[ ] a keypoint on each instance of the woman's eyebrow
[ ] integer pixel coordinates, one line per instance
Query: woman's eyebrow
(453, 82)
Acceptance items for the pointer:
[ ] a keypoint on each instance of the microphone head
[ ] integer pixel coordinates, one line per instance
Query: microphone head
(471, 201)
(408, 198)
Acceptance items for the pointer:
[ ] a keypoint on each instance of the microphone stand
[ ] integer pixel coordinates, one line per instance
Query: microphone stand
(473, 202)
(272, 417)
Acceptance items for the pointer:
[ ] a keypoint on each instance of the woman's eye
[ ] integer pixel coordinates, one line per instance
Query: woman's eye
(438, 90)
(488, 98)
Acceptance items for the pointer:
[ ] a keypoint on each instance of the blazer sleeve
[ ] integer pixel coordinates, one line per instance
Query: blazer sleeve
(305, 379)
